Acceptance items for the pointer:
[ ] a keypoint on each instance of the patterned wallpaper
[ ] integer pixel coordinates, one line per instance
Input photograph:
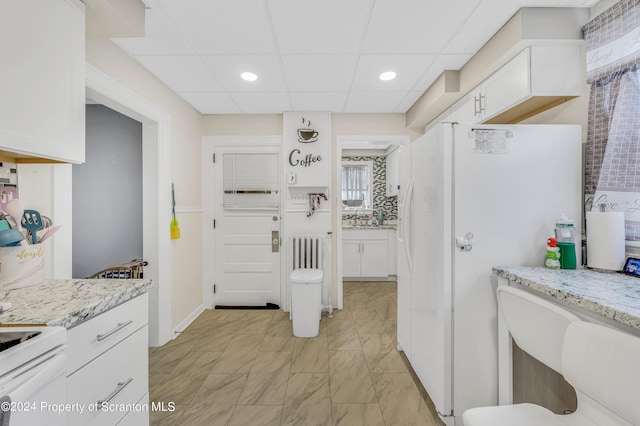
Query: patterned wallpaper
(389, 205)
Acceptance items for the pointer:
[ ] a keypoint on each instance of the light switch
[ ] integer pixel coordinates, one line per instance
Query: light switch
(292, 178)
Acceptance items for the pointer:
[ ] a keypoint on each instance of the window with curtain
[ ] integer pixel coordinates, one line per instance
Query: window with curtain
(357, 185)
(612, 163)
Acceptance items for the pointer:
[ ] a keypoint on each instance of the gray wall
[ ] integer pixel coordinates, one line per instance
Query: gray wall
(107, 193)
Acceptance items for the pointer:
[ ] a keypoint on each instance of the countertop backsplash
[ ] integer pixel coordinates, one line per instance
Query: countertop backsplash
(389, 205)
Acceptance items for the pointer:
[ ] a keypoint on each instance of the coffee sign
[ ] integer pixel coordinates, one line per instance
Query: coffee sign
(306, 134)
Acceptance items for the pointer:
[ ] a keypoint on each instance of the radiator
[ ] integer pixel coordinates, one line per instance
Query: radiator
(307, 251)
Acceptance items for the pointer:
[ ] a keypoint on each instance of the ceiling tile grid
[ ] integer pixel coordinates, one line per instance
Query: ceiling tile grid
(321, 55)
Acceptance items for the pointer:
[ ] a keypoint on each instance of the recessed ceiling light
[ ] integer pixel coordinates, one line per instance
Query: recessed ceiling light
(387, 75)
(249, 76)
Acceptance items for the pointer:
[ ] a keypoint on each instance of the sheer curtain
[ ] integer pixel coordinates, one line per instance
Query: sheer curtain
(612, 164)
(355, 183)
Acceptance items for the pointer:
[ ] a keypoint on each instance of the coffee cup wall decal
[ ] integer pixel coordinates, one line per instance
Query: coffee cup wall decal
(307, 135)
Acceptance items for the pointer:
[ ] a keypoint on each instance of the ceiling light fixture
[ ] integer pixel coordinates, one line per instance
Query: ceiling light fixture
(249, 76)
(387, 75)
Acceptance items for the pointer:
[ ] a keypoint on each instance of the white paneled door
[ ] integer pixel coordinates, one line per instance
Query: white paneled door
(247, 226)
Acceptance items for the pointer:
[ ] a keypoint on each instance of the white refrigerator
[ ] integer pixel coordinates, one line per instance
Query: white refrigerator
(481, 196)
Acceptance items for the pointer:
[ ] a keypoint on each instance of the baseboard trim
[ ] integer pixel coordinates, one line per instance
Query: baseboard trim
(188, 320)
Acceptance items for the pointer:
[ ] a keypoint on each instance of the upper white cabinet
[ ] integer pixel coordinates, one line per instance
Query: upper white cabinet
(392, 174)
(43, 79)
(537, 78)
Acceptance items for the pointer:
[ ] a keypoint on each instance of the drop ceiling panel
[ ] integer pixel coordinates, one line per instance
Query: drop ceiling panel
(162, 37)
(211, 102)
(215, 27)
(475, 32)
(414, 26)
(374, 101)
(261, 103)
(319, 26)
(319, 101)
(308, 73)
(181, 73)
(227, 69)
(408, 69)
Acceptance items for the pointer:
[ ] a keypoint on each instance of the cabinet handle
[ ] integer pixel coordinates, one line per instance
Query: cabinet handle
(109, 333)
(116, 391)
(482, 101)
(475, 106)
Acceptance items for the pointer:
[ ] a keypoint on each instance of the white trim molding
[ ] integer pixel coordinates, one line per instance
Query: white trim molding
(156, 185)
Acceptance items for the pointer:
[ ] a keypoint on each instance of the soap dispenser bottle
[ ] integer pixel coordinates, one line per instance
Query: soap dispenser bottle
(553, 254)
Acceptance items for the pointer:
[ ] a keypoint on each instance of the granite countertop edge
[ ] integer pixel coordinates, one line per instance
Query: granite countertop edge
(367, 227)
(608, 294)
(69, 302)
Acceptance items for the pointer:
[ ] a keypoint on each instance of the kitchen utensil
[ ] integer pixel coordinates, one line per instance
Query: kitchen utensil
(175, 230)
(49, 232)
(7, 193)
(10, 237)
(32, 221)
(16, 210)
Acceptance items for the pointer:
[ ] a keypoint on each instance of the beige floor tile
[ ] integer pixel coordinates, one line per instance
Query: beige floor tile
(339, 326)
(358, 301)
(381, 354)
(215, 401)
(245, 367)
(214, 341)
(239, 355)
(277, 343)
(185, 380)
(400, 401)
(167, 418)
(308, 400)
(350, 379)
(267, 381)
(357, 415)
(310, 355)
(368, 322)
(165, 358)
(347, 341)
(256, 416)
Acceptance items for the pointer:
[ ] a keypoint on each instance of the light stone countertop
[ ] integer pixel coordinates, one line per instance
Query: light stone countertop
(67, 302)
(612, 295)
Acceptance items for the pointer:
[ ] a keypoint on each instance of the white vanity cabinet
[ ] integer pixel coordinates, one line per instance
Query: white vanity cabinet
(535, 78)
(108, 366)
(365, 253)
(43, 79)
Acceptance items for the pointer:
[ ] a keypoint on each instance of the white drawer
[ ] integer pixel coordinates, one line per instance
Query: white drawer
(97, 381)
(90, 339)
(364, 234)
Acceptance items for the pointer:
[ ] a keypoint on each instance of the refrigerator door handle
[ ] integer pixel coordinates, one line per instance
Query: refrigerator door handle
(405, 223)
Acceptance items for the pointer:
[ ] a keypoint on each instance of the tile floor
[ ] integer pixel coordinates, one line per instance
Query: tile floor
(235, 367)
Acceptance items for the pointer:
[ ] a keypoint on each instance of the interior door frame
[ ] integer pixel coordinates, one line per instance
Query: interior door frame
(209, 145)
(156, 202)
(340, 141)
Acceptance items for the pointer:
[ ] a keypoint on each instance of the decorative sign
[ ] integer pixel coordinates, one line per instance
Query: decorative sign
(307, 138)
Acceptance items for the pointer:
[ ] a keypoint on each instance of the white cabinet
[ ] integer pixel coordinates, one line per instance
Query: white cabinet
(108, 365)
(42, 81)
(393, 179)
(365, 253)
(533, 80)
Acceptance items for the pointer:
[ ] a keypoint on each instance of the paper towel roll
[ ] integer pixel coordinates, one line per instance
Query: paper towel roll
(605, 240)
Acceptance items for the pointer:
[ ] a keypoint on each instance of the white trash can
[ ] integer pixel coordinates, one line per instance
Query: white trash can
(306, 301)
